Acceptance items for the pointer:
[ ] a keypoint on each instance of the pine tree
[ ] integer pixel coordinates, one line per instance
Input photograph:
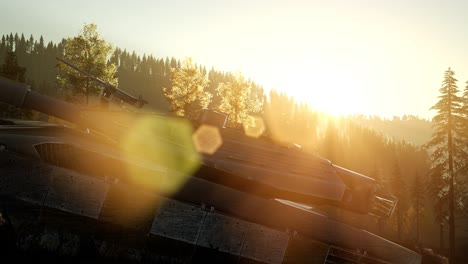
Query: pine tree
(89, 52)
(30, 44)
(418, 194)
(187, 95)
(398, 186)
(11, 70)
(10, 42)
(463, 173)
(330, 148)
(465, 113)
(2, 47)
(446, 148)
(239, 100)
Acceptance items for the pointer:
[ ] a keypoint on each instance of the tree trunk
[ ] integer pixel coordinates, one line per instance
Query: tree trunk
(441, 236)
(452, 219)
(451, 197)
(417, 222)
(399, 224)
(87, 89)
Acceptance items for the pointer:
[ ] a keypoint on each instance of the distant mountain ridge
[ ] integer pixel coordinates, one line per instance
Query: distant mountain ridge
(409, 128)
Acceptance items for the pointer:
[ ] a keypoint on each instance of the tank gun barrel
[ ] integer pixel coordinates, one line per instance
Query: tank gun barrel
(20, 95)
(109, 89)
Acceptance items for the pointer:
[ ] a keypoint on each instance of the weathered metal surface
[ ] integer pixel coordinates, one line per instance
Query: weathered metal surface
(191, 224)
(220, 232)
(281, 168)
(178, 221)
(302, 249)
(340, 255)
(274, 214)
(134, 207)
(223, 233)
(76, 193)
(30, 185)
(129, 207)
(265, 244)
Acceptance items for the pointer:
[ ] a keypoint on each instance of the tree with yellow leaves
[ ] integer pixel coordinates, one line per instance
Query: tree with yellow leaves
(89, 52)
(187, 95)
(239, 99)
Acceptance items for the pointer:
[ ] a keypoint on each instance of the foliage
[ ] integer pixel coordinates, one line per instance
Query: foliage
(37, 57)
(448, 126)
(355, 146)
(417, 198)
(398, 187)
(448, 151)
(11, 70)
(465, 115)
(187, 95)
(239, 100)
(465, 101)
(90, 53)
(138, 75)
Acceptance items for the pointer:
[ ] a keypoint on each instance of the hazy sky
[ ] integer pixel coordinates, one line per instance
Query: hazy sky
(370, 56)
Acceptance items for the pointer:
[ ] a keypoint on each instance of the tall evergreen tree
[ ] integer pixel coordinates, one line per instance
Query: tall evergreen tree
(30, 44)
(398, 186)
(330, 148)
(10, 42)
(465, 113)
(11, 70)
(418, 193)
(446, 147)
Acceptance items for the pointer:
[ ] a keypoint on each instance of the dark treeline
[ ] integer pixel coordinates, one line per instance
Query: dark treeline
(397, 165)
(37, 57)
(138, 75)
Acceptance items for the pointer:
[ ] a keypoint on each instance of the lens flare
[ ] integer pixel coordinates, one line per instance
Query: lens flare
(162, 152)
(257, 129)
(207, 139)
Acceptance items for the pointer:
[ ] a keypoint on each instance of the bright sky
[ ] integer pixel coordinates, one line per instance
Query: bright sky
(369, 56)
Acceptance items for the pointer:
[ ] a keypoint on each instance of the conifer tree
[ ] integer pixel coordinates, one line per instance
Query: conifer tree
(330, 148)
(11, 70)
(446, 148)
(418, 194)
(399, 190)
(465, 112)
(187, 95)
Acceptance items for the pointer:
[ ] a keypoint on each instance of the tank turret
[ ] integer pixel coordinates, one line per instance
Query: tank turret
(246, 178)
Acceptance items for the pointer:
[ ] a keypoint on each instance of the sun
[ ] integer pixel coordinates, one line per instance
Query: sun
(330, 85)
(336, 97)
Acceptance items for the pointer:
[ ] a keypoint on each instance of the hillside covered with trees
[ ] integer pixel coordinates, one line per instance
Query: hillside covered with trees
(394, 152)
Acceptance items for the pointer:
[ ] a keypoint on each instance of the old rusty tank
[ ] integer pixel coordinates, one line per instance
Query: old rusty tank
(137, 187)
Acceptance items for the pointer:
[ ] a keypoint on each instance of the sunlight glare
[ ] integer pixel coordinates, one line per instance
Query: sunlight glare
(207, 139)
(161, 143)
(257, 129)
(336, 96)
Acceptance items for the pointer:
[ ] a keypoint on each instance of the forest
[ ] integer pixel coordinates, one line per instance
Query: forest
(408, 155)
